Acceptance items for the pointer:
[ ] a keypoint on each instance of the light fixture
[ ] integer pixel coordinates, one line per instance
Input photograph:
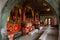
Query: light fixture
(48, 9)
(44, 4)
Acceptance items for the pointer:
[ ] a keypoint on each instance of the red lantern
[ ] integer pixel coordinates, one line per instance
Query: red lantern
(52, 22)
(25, 30)
(13, 28)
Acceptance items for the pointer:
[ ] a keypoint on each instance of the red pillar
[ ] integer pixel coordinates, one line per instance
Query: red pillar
(34, 16)
(23, 13)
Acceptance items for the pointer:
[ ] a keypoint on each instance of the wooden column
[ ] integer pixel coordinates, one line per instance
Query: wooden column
(34, 16)
(23, 13)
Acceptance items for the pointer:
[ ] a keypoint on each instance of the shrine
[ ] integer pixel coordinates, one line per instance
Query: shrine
(29, 20)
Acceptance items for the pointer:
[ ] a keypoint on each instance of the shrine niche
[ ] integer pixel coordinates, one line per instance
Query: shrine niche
(29, 14)
(14, 24)
(14, 15)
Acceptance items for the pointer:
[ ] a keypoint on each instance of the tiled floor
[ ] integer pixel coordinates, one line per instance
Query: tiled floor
(53, 35)
(29, 37)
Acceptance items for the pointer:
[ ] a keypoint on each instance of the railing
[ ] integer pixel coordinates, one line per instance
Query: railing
(44, 35)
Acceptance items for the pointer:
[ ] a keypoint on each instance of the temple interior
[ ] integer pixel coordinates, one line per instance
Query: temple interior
(30, 20)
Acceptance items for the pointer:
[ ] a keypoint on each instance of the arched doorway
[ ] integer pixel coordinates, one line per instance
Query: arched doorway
(14, 21)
